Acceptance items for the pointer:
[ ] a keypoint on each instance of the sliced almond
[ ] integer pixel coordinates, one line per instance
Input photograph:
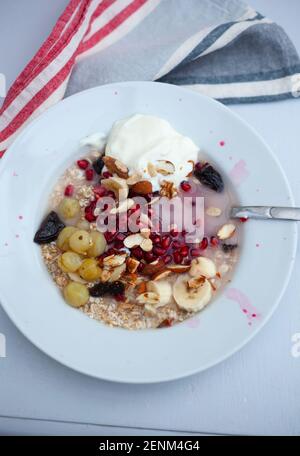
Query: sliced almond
(213, 211)
(145, 232)
(151, 170)
(153, 268)
(124, 206)
(105, 275)
(165, 167)
(118, 186)
(132, 264)
(114, 260)
(179, 268)
(161, 275)
(134, 179)
(145, 220)
(117, 273)
(142, 187)
(226, 231)
(133, 240)
(116, 167)
(148, 297)
(146, 245)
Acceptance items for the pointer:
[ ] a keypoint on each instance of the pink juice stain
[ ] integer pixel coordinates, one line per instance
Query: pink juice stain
(239, 172)
(244, 303)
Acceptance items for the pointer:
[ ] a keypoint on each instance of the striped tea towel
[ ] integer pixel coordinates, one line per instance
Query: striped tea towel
(222, 48)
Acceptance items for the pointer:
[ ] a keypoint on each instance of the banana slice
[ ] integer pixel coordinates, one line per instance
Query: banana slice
(191, 299)
(163, 289)
(203, 266)
(118, 186)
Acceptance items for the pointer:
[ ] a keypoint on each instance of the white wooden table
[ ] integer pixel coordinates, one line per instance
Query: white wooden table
(257, 391)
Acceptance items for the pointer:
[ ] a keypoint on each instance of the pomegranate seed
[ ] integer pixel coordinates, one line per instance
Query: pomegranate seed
(243, 219)
(184, 251)
(111, 194)
(166, 241)
(167, 259)
(89, 212)
(166, 323)
(82, 164)
(177, 257)
(156, 239)
(69, 190)
(120, 236)
(99, 190)
(187, 261)
(159, 251)
(149, 257)
(176, 244)
(196, 252)
(89, 174)
(109, 236)
(138, 253)
(119, 297)
(214, 241)
(118, 244)
(185, 186)
(106, 175)
(141, 267)
(174, 232)
(203, 244)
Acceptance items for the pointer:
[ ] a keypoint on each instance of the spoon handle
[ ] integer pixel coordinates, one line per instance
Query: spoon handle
(266, 212)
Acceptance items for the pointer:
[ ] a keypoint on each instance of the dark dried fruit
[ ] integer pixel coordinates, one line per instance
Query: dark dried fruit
(117, 288)
(49, 230)
(98, 165)
(208, 176)
(103, 288)
(100, 289)
(228, 247)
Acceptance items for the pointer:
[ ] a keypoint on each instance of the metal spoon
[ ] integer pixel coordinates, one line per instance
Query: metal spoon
(266, 212)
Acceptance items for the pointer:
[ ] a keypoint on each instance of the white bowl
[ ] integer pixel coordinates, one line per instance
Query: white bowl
(29, 170)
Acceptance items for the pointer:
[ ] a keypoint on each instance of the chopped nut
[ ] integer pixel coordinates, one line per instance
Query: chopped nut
(151, 170)
(226, 231)
(145, 232)
(133, 240)
(114, 260)
(213, 211)
(195, 282)
(134, 179)
(179, 268)
(116, 167)
(161, 275)
(168, 189)
(117, 185)
(132, 264)
(117, 272)
(146, 245)
(153, 268)
(142, 187)
(165, 167)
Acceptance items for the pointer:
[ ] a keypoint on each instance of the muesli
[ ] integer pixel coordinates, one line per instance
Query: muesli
(138, 233)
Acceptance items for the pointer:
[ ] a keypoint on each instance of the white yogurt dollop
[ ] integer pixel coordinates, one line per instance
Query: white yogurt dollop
(142, 139)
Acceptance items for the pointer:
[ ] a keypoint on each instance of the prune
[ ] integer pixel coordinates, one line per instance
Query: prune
(49, 229)
(98, 165)
(210, 177)
(103, 288)
(228, 247)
